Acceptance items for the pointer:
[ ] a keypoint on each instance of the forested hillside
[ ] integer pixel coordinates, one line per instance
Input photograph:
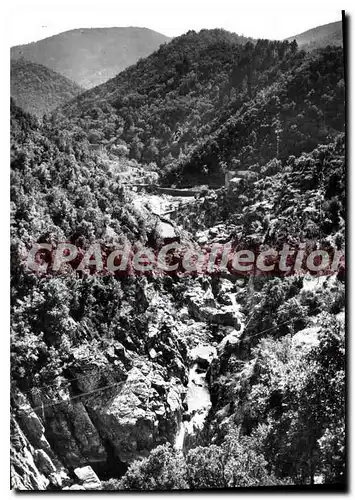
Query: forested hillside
(157, 379)
(320, 37)
(304, 107)
(91, 56)
(166, 103)
(206, 99)
(38, 89)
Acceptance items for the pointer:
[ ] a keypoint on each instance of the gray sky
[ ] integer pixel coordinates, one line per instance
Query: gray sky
(34, 20)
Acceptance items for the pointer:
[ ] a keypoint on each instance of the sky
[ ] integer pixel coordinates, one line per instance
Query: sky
(33, 20)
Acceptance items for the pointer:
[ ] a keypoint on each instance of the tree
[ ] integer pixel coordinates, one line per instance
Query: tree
(164, 469)
(205, 468)
(293, 46)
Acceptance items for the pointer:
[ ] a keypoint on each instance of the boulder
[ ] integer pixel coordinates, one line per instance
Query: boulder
(306, 338)
(234, 182)
(74, 436)
(166, 232)
(25, 474)
(87, 478)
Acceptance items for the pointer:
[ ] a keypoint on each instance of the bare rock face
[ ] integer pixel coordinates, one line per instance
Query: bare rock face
(126, 399)
(121, 404)
(71, 426)
(62, 432)
(34, 468)
(137, 417)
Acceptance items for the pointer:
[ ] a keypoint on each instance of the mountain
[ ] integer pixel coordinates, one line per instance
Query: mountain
(165, 104)
(212, 97)
(38, 89)
(90, 56)
(328, 34)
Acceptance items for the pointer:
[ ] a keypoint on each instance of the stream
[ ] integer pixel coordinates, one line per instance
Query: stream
(198, 396)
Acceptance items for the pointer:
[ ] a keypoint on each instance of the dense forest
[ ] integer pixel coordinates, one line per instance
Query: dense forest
(101, 363)
(206, 92)
(166, 103)
(304, 108)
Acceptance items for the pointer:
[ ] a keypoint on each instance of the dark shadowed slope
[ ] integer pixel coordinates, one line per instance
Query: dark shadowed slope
(91, 56)
(38, 89)
(329, 34)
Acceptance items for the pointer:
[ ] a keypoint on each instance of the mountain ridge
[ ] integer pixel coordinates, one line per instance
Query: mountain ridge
(91, 56)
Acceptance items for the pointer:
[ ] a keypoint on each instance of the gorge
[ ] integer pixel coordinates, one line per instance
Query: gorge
(213, 377)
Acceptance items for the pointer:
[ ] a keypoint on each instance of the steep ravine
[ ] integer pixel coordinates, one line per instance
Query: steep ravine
(197, 400)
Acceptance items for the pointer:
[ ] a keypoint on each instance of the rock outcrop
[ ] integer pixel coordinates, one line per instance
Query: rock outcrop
(34, 466)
